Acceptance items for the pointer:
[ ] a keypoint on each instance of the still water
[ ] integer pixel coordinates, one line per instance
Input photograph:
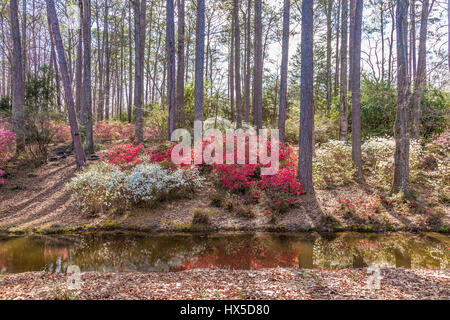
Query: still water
(112, 252)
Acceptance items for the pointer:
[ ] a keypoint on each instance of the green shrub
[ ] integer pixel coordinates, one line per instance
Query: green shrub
(201, 217)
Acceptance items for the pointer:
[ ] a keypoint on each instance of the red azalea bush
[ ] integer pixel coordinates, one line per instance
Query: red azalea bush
(281, 190)
(125, 156)
(362, 207)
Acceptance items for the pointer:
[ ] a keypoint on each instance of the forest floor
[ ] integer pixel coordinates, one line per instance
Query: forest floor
(298, 284)
(35, 200)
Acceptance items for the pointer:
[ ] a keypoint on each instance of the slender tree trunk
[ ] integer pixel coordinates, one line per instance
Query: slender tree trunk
(350, 43)
(284, 70)
(24, 39)
(140, 10)
(356, 88)
(421, 75)
(199, 61)
(401, 130)
(247, 64)
(343, 88)
(413, 38)
(329, 9)
(306, 98)
(130, 66)
(383, 60)
(231, 66)
(17, 74)
(79, 153)
(180, 68)
(79, 65)
(86, 99)
(258, 65)
(336, 74)
(237, 63)
(170, 42)
(107, 49)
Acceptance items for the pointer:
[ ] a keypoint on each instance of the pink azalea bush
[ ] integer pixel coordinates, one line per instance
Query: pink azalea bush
(7, 143)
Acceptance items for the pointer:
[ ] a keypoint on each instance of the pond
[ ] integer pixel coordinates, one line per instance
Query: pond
(120, 252)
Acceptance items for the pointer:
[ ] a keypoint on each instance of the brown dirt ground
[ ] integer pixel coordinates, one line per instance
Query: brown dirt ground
(35, 199)
(277, 283)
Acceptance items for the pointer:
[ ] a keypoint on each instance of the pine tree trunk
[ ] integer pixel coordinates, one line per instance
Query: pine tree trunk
(79, 65)
(306, 99)
(421, 75)
(86, 99)
(258, 65)
(329, 9)
(140, 10)
(17, 74)
(79, 153)
(356, 88)
(401, 130)
(343, 88)
(284, 70)
(180, 68)
(247, 63)
(237, 63)
(199, 61)
(170, 43)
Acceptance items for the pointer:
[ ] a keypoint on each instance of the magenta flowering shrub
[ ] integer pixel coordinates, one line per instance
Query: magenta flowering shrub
(105, 130)
(60, 132)
(7, 143)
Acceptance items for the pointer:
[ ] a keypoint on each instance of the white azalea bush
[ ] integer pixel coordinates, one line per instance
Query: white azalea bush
(378, 160)
(332, 165)
(149, 182)
(104, 187)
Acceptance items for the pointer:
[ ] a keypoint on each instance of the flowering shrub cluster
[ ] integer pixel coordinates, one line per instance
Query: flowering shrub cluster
(124, 156)
(60, 132)
(282, 189)
(333, 165)
(378, 160)
(361, 207)
(7, 142)
(106, 187)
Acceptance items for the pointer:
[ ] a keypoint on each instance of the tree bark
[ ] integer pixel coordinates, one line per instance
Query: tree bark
(139, 18)
(237, 63)
(329, 9)
(17, 74)
(306, 98)
(68, 95)
(79, 64)
(86, 98)
(180, 68)
(247, 64)
(350, 43)
(258, 66)
(421, 75)
(336, 74)
(130, 67)
(284, 70)
(343, 87)
(401, 132)
(199, 61)
(356, 88)
(170, 43)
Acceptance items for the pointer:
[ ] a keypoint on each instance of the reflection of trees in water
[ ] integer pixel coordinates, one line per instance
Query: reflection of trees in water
(137, 252)
(392, 250)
